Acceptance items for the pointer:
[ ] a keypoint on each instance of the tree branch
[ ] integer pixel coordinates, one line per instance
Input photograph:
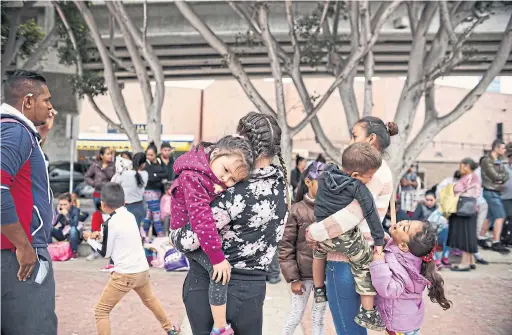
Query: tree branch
(255, 27)
(231, 59)
(50, 39)
(431, 129)
(72, 38)
(154, 114)
(431, 112)
(110, 79)
(351, 63)
(137, 61)
(447, 22)
(103, 116)
(145, 24)
(322, 18)
(120, 62)
(111, 33)
(369, 61)
(293, 35)
(13, 44)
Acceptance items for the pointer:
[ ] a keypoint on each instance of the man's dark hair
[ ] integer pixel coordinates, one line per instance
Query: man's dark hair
(361, 157)
(65, 196)
(112, 195)
(496, 143)
(20, 83)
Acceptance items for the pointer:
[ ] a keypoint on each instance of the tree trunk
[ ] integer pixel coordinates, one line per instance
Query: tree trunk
(154, 112)
(113, 86)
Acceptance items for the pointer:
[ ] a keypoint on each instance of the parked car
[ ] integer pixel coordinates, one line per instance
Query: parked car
(60, 176)
(84, 190)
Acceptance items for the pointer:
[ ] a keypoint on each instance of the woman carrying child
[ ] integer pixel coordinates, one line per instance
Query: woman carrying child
(401, 274)
(296, 258)
(253, 214)
(203, 174)
(344, 302)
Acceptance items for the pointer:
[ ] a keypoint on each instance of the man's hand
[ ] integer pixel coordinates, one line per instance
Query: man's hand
(298, 287)
(27, 259)
(378, 256)
(222, 271)
(44, 129)
(64, 211)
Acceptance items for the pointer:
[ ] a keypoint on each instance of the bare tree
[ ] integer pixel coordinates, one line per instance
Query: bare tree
(111, 81)
(281, 62)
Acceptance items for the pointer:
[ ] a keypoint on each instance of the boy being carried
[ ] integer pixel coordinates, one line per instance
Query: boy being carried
(337, 188)
(121, 241)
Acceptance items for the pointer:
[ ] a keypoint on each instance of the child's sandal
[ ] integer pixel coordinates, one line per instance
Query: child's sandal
(320, 295)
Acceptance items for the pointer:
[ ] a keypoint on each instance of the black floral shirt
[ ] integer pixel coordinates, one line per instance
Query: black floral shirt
(250, 217)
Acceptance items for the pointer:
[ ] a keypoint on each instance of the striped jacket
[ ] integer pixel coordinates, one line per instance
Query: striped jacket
(26, 193)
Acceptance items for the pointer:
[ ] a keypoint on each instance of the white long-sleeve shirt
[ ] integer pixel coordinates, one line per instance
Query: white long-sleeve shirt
(122, 242)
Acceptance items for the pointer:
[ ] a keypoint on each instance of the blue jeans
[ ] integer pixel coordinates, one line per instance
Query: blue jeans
(138, 210)
(344, 302)
(442, 238)
(496, 209)
(74, 237)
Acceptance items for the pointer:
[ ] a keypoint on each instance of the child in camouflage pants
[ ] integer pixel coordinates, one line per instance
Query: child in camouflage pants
(337, 188)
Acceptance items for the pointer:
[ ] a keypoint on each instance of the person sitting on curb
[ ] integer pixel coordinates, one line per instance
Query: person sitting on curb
(66, 225)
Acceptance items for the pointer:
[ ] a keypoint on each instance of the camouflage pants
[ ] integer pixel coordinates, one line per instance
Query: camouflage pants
(355, 246)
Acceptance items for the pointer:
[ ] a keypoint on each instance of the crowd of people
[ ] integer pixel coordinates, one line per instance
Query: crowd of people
(228, 209)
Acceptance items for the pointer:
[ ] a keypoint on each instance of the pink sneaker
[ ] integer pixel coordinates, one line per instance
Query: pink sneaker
(223, 331)
(107, 268)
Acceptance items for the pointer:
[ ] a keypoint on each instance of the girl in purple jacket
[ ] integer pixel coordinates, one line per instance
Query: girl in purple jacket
(203, 174)
(402, 272)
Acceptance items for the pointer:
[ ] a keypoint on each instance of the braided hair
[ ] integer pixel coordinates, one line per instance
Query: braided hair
(264, 134)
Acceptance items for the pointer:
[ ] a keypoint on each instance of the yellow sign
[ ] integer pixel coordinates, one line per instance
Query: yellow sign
(124, 145)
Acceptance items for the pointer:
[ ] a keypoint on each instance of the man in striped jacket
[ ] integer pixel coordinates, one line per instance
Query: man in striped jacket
(28, 285)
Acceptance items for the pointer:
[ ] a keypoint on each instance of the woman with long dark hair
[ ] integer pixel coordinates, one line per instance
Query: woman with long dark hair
(344, 302)
(254, 213)
(134, 180)
(157, 176)
(100, 172)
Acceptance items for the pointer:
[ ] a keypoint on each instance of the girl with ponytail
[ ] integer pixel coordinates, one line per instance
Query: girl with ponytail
(253, 213)
(402, 272)
(133, 181)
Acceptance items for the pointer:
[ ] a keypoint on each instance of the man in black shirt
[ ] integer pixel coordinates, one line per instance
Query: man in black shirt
(167, 159)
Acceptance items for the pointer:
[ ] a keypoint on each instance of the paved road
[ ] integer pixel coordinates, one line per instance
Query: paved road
(482, 302)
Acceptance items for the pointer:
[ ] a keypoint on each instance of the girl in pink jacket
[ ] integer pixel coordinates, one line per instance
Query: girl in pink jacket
(203, 173)
(402, 272)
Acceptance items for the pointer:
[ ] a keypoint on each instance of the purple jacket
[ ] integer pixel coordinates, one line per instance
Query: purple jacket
(192, 192)
(400, 287)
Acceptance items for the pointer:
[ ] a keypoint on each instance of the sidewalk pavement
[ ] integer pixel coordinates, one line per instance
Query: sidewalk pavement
(278, 299)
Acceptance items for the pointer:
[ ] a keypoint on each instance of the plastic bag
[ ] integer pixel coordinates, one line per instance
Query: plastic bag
(60, 251)
(175, 261)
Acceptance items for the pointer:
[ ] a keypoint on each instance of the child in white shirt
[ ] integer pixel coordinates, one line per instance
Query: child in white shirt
(121, 242)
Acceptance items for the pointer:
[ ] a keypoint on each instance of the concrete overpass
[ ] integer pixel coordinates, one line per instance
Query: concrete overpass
(184, 54)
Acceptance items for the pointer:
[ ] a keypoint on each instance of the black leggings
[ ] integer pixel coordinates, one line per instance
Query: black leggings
(217, 293)
(246, 295)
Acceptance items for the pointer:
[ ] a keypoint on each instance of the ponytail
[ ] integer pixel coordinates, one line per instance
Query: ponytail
(287, 187)
(436, 288)
(138, 160)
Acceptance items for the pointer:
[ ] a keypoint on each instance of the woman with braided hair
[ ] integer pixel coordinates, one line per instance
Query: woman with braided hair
(253, 214)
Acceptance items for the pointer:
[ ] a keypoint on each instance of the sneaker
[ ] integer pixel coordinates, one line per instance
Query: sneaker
(74, 256)
(92, 256)
(370, 319)
(484, 244)
(481, 261)
(107, 268)
(274, 280)
(174, 331)
(223, 331)
(446, 262)
(498, 247)
(439, 265)
(320, 295)
(472, 266)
